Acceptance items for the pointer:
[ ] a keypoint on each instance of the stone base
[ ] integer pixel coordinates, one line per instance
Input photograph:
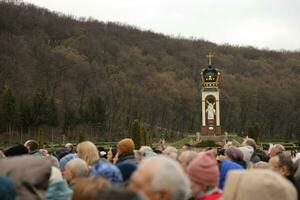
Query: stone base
(219, 139)
(216, 131)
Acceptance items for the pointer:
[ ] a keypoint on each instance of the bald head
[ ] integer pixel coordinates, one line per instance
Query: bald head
(160, 176)
(74, 169)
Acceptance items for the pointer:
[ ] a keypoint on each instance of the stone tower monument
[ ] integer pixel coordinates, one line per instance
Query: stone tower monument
(210, 101)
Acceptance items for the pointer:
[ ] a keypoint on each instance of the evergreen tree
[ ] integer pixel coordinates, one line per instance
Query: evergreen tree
(298, 137)
(26, 117)
(94, 112)
(40, 108)
(254, 132)
(51, 112)
(70, 118)
(8, 107)
(144, 136)
(136, 133)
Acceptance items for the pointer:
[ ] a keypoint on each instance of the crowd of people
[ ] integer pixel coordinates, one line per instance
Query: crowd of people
(233, 172)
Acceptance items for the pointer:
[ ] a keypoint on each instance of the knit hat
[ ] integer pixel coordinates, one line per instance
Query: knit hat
(204, 169)
(127, 168)
(258, 184)
(7, 189)
(16, 150)
(106, 170)
(66, 159)
(234, 153)
(248, 152)
(126, 145)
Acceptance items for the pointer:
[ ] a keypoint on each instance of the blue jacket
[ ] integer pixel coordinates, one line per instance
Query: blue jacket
(225, 167)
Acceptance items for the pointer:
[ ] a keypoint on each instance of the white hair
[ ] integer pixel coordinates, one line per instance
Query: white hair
(145, 148)
(79, 167)
(169, 175)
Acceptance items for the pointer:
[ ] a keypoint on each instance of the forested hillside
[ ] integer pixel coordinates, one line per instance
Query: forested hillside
(70, 73)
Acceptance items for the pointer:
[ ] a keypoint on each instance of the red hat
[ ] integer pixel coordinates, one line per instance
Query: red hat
(204, 169)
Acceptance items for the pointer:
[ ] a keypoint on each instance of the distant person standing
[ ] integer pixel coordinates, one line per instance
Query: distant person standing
(33, 147)
(125, 151)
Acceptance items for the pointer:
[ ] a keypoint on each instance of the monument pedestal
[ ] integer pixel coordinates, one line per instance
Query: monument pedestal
(218, 139)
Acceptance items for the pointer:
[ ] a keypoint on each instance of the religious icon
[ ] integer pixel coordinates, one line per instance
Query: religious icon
(210, 110)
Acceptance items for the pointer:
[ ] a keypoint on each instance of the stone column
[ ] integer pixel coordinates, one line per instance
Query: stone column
(218, 112)
(203, 113)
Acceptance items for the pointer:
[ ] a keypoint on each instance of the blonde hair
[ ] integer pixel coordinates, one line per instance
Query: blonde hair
(88, 152)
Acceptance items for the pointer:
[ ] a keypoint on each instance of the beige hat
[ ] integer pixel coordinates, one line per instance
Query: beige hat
(258, 184)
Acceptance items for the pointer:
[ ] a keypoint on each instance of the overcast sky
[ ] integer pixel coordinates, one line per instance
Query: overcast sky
(272, 24)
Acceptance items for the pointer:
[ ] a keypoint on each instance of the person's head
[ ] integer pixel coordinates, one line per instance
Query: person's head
(74, 169)
(261, 165)
(125, 146)
(186, 157)
(186, 147)
(88, 152)
(234, 154)
(31, 145)
(111, 153)
(276, 149)
(250, 142)
(145, 152)
(107, 170)
(69, 146)
(102, 152)
(258, 184)
(247, 152)
(89, 188)
(61, 152)
(203, 172)
(160, 178)
(117, 194)
(282, 164)
(143, 149)
(64, 160)
(171, 152)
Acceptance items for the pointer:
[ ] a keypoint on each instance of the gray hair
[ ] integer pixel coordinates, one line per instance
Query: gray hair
(191, 156)
(169, 175)
(79, 167)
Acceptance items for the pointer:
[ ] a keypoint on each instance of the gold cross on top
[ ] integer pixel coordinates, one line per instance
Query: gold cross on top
(209, 56)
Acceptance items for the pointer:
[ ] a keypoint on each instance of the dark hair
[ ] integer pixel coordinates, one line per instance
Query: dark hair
(114, 150)
(32, 145)
(16, 150)
(251, 142)
(285, 160)
(189, 146)
(262, 155)
(157, 151)
(220, 151)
